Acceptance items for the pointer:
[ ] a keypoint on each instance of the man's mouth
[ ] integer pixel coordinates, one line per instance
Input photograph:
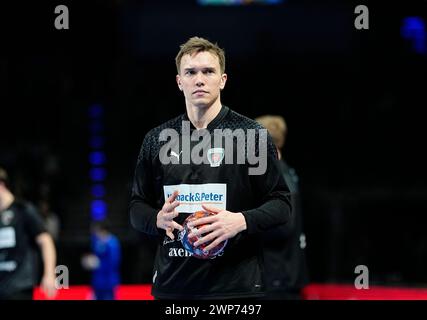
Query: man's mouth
(200, 92)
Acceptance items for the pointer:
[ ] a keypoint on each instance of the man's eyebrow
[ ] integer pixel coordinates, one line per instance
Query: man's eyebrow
(202, 68)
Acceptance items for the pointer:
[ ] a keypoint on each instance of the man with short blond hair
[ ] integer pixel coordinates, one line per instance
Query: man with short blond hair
(188, 165)
(195, 45)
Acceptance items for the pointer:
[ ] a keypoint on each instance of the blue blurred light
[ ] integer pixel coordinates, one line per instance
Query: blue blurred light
(98, 209)
(98, 206)
(98, 174)
(96, 127)
(96, 111)
(96, 142)
(97, 158)
(98, 217)
(98, 191)
(413, 28)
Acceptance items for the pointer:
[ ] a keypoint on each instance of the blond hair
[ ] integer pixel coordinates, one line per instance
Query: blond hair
(197, 44)
(276, 126)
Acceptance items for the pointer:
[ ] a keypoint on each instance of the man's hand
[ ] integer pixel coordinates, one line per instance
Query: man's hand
(47, 284)
(220, 227)
(167, 214)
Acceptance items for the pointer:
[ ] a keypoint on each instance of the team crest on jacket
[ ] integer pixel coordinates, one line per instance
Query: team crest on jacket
(215, 156)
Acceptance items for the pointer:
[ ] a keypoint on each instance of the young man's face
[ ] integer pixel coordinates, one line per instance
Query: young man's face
(200, 78)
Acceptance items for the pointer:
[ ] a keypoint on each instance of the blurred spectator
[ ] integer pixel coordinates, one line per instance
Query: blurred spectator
(21, 229)
(104, 262)
(285, 264)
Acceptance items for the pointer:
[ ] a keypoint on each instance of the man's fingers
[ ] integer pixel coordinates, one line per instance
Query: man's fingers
(204, 220)
(211, 208)
(168, 216)
(170, 227)
(169, 233)
(48, 288)
(171, 207)
(173, 196)
(202, 230)
(216, 242)
(51, 292)
(209, 237)
(177, 226)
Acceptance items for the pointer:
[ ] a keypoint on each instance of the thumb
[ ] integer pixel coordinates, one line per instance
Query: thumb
(211, 208)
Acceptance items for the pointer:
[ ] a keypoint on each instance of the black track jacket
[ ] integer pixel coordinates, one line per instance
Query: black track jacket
(263, 199)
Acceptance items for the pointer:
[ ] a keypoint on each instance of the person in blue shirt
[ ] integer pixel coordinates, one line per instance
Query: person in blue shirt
(104, 262)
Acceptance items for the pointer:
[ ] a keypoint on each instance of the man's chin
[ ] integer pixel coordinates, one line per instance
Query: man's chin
(202, 104)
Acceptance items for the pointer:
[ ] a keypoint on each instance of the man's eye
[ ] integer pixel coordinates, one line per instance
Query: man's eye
(189, 72)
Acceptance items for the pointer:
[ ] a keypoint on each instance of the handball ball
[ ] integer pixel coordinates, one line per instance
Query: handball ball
(188, 243)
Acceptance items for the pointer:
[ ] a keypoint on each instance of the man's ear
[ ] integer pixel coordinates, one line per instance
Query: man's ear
(223, 81)
(178, 81)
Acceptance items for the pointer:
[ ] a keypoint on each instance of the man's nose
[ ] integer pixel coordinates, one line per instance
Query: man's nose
(200, 81)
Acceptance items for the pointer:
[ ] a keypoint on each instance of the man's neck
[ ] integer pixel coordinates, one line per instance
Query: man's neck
(200, 117)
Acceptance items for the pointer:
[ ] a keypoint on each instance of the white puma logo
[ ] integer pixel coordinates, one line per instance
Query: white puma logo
(173, 153)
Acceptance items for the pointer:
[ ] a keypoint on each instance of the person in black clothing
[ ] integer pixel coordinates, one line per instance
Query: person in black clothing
(211, 159)
(21, 230)
(284, 255)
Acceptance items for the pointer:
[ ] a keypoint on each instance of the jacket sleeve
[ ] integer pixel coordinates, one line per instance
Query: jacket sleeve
(142, 208)
(274, 198)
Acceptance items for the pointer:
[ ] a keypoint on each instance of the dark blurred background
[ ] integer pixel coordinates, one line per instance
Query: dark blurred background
(353, 101)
